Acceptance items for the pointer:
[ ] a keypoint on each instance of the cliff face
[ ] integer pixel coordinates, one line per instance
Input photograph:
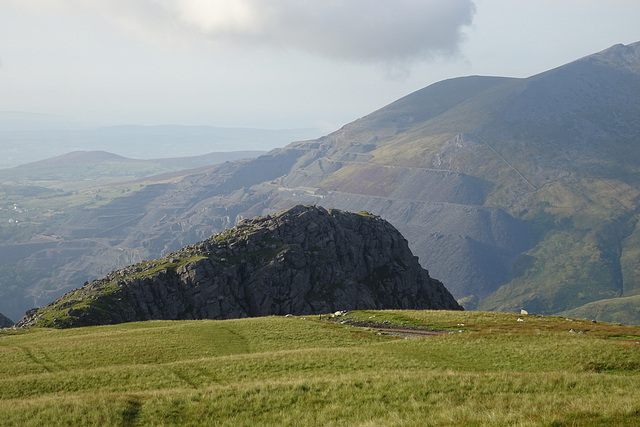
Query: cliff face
(5, 322)
(304, 260)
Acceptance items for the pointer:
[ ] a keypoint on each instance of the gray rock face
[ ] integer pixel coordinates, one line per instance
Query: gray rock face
(5, 322)
(304, 260)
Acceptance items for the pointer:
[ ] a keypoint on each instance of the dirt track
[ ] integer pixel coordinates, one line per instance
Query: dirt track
(410, 332)
(393, 329)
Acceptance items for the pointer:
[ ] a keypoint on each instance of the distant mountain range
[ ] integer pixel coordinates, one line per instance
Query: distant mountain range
(91, 159)
(26, 138)
(515, 193)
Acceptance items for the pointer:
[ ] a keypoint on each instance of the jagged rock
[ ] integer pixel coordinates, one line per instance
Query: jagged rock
(5, 322)
(304, 260)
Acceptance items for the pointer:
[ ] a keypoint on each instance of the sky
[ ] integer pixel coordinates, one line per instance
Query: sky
(278, 64)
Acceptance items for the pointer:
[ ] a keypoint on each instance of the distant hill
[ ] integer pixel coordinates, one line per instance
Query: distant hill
(622, 310)
(82, 169)
(516, 193)
(75, 158)
(26, 138)
(92, 158)
(304, 260)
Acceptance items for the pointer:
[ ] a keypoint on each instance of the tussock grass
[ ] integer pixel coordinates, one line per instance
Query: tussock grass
(304, 371)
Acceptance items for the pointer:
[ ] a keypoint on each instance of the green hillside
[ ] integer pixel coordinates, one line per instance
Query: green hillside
(624, 310)
(492, 369)
(558, 152)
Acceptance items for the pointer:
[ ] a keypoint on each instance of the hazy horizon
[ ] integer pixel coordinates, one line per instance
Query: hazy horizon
(25, 143)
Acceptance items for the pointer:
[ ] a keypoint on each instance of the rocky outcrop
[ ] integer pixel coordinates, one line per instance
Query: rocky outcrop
(304, 260)
(5, 322)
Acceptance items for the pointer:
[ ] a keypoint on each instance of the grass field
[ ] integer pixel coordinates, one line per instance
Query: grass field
(304, 371)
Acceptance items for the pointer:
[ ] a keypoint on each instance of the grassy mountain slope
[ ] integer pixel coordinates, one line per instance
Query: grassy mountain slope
(581, 156)
(624, 310)
(503, 369)
(559, 152)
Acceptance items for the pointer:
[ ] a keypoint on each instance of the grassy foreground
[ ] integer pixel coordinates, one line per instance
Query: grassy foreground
(303, 371)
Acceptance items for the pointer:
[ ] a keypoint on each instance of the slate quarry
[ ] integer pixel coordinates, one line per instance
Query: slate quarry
(304, 260)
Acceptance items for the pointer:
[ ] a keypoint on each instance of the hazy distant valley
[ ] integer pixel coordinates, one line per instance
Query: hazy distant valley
(515, 193)
(26, 138)
(53, 166)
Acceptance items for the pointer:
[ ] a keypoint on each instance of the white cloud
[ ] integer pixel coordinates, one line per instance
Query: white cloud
(218, 18)
(358, 30)
(379, 31)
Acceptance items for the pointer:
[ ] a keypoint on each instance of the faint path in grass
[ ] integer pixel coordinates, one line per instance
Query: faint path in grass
(394, 329)
(184, 378)
(239, 343)
(45, 361)
(410, 332)
(233, 343)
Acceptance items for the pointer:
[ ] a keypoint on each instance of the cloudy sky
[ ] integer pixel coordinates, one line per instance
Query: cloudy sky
(278, 63)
